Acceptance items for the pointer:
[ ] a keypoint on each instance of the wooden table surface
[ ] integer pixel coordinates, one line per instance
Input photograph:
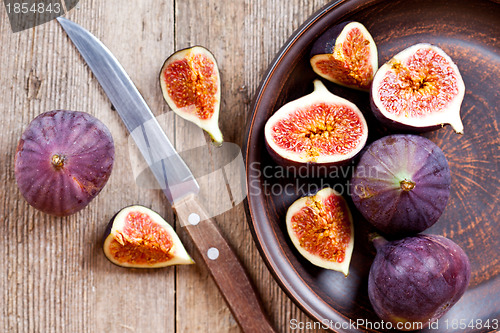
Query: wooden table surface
(54, 276)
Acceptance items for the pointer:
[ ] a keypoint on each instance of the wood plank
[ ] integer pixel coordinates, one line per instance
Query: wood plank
(56, 277)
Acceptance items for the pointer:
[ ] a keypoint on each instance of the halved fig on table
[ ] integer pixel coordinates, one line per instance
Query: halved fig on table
(401, 184)
(347, 55)
(190, 83)
(319, 129)
(320, 227)
(419, 89)
(139, 237)
(63, 160)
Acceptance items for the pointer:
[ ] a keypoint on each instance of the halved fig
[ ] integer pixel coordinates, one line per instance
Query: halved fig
(401, 184)
(190, 83)
(63, 160)
(321, 228)
(139, 237)
(419, 89)
(347, 55)
(320, 129)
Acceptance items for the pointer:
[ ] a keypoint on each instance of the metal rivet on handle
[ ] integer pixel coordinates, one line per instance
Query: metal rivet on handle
(212, 253)
(194, 218)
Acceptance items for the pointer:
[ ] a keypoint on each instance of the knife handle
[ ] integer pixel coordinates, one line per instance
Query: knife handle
(224, 266)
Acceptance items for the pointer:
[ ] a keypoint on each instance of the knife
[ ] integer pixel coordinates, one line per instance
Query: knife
(175, 178)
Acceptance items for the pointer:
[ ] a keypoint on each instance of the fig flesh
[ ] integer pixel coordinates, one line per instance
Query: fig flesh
(63, 160)
(401, 184)
(319, 128)
(190, 83)
(139, 237)
(416, 280)
(419, 89)
(321, 228)
(347, 55)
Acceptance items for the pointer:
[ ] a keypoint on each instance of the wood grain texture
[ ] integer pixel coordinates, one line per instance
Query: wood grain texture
(54, 276)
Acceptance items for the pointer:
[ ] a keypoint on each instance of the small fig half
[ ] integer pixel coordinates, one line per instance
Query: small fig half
(139, 237)
(190, 83)
(419, 89)
(401, 184)
(320, 128)
(321, 228)
(63, 160)
(347, 55)
(416, 280)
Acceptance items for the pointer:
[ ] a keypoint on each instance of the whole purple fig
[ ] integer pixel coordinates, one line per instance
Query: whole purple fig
(401, 184)
(63, 160)
(416, 280)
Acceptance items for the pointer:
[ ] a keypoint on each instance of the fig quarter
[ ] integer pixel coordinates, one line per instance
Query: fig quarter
(321, 229)
(190, 83)
(346, 54)
(139, 237)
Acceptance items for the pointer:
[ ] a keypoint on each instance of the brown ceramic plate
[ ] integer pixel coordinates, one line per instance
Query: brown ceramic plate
(469, 31)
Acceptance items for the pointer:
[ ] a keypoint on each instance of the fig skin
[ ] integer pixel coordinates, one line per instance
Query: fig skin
(316, 163)
(209, 76)
(420, 84)
(63, 160)
(143, 238)
(338, 208)
(323, 51)
(401, 184)
(417, 279)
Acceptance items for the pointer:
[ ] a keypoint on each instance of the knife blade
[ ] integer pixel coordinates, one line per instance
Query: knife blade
(175, 179)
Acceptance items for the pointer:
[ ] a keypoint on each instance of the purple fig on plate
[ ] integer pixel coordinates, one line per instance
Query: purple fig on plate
(63, 160)
(401, 184)
(416, 280)
(419, 89)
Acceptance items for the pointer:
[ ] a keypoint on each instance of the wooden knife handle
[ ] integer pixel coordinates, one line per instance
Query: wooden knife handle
(224, 266)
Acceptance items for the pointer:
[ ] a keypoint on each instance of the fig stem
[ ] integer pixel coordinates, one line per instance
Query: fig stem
(457, 124)
(58, 161)
(318, 85)
(216, 136)
(407, 185)
(377, 240)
